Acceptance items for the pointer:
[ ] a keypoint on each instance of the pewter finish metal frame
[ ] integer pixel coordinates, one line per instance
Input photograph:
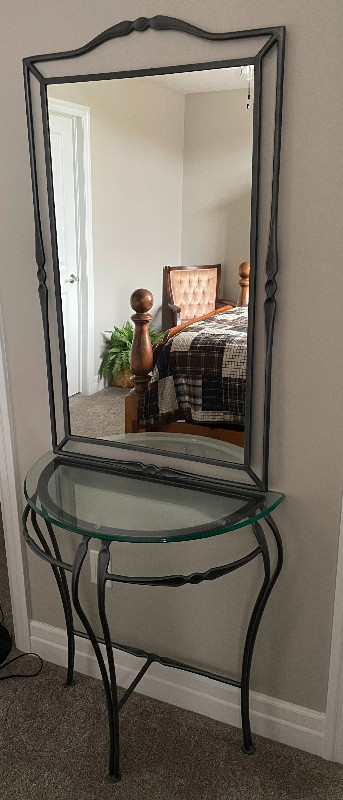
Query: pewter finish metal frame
(108, 674)
(276, 38)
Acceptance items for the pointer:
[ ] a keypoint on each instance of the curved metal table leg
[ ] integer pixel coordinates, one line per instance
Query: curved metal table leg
(78, 562)
(260, 604)
(61, 581)
(68, 611)
(114, 760)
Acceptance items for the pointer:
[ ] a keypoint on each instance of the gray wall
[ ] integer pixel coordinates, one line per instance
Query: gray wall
(292, 653)
(217, 183)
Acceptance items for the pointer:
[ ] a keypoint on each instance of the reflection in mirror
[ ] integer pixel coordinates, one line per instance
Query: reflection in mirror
(148, 172)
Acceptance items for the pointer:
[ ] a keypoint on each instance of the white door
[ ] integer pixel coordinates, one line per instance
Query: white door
(63, 165)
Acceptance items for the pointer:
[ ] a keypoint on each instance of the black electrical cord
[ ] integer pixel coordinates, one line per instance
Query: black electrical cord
(5, 649)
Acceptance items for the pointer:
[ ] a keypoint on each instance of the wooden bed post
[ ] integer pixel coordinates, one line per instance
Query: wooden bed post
(141, 358)
(244, 271)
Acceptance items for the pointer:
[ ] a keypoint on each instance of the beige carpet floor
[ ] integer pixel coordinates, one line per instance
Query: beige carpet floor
(98, 415)
(53, 746)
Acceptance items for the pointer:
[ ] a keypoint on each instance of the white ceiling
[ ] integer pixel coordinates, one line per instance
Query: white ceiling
(207, 80)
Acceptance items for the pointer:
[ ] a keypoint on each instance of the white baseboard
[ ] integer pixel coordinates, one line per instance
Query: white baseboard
(275, 719)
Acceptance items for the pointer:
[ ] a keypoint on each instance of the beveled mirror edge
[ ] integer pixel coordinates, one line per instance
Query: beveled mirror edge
(276, 38)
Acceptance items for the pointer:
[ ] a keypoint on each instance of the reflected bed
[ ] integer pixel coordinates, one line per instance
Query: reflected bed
(200, 374)
(198, 381)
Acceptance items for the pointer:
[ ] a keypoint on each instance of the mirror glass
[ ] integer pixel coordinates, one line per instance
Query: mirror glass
(152, 190)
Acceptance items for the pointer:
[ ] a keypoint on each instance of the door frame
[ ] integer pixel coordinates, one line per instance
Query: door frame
(333, 735)
(10, 497)
(80, 116)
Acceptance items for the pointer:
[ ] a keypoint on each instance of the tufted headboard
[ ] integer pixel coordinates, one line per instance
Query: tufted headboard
(193, 291)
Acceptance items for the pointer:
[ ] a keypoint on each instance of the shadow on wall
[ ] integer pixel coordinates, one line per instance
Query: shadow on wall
(166, 315)
(238, 215)
(229, 223)
(156, 323)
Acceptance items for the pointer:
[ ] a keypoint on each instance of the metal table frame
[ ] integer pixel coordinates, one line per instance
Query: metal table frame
(59, 567)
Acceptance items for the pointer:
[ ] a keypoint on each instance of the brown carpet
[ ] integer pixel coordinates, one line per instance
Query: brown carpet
(53, 745)
(98, 415)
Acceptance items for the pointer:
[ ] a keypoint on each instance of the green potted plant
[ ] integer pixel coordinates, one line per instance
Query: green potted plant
(115, 357)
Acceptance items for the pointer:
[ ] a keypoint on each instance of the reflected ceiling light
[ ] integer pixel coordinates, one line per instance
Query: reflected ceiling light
(246, 72)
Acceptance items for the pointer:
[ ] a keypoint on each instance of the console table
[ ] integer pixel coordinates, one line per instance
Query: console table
(100, 502)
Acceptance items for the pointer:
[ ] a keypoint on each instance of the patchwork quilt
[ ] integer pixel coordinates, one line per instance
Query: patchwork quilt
(200, 375)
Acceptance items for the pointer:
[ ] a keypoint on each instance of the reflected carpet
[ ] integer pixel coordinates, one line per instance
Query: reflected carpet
(98, 415)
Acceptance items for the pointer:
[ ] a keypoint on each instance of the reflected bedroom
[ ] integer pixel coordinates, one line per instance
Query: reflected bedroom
(152, 185)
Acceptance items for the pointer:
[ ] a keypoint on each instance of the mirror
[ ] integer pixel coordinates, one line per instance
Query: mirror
(152, 188)
(156, 244)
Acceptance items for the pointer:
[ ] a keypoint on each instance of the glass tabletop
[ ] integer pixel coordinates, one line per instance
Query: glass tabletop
(108, 505)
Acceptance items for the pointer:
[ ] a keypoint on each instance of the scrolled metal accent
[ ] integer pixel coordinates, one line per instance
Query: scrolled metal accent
(195, 577)
(46, 555)
(158, 23)
(40, 254)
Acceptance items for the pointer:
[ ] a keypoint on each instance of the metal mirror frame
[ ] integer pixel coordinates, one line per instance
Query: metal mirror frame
(276, 38)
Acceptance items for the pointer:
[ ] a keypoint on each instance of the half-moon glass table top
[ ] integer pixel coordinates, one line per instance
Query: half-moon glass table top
(106, 504)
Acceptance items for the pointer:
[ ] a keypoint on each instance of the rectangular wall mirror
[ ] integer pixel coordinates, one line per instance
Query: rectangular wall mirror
(168, 182)
(153, 181)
